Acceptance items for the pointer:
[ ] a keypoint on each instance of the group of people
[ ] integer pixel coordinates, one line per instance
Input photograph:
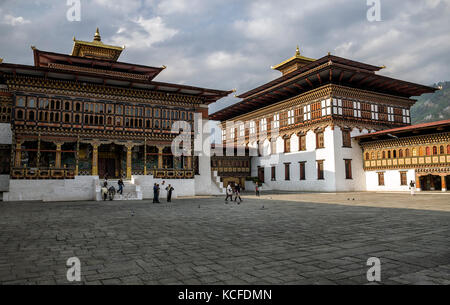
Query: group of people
(236, 192)
(156, 192)
(111, 191)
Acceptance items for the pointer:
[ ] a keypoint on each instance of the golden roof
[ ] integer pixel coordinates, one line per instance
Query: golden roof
(297, 58)
(96, 49)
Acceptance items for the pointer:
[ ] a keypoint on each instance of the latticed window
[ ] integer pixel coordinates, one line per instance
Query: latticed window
(406, 116)
(374, 110)
(224, 135)
(307, 112)
(263, 124)
(290, 117)
(320, 143)
(252, 127)
(326, 107)
(276, 121)
(337, 106)
(403, 179)
(320, 175)
(390, 111)
(242, 130)
(302, 142)
(381, 178)
(287, 145)
(357, 109)
(346, 138)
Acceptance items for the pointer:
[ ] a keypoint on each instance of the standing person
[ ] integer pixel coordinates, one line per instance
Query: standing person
(229, 193)
(105, 182)
(121, 184)
(412, 187)
(104, 190)
(169, 190)
(257, 189)
(158, 191)
(155, 193)
(237, 193)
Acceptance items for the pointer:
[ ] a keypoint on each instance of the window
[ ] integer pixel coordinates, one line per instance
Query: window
(302, 170)
(274, 178)
(290, 117)
(232, 133)
(357, 109)
(287, 145)
(287, 173)
(307, 112)
(337, 106)
(326, 107)
(374, 110)
(276, 121)
(390, 111)
(242, 130)
(320, 175)
(348, 169)
(381, 179)
(21, 102)
(77, 107)
(320, 140)
(403, 180)
(346, 138)
(441, 150)
(406, 116)
(252, 127)
(302, 142)
(273, 146)
(67, 106)
(119, 109)
(263, 125)
(224, 135)
(31, 103)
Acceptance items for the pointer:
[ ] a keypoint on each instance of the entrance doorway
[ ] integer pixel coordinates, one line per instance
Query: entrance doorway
(431, 183)
(110, 158)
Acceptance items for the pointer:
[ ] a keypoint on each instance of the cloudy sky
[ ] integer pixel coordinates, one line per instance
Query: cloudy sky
(226, 44)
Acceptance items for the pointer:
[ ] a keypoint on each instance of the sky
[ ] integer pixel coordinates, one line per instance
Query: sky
(232, 44)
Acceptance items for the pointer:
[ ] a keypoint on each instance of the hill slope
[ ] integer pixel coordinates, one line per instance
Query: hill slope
(433, 106)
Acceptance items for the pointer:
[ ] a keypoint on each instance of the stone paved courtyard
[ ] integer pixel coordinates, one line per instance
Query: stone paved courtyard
(204, 241)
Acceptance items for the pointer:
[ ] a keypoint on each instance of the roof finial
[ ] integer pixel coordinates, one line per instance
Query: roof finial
(297, 52)
(97, 36)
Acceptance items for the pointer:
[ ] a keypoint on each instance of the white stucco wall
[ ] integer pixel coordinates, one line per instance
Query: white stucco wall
(333, 155)
(80, 188)
(391, 180)
(5, 133)
(182, 187)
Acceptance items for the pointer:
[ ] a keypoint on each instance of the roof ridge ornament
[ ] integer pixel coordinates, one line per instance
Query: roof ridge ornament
(297, 51)
(97, 36)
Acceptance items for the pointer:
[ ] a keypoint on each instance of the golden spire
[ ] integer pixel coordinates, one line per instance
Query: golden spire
(97, 36)
(297, 52)
(1, 60)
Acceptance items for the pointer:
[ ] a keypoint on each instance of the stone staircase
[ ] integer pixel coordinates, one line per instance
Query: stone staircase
(131, 191)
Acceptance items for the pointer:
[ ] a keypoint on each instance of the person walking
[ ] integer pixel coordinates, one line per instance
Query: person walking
(257, 189)
(237, 193)
(229, 193)
(121, 185)
(412, 187)
(169, 190)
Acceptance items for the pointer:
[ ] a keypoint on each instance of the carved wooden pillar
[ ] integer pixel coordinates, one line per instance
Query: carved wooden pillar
(18, 157)
(95, 146)
(58, 155)
(189, 162)
(129, 147)
(77, 158)
(145, 156)
(418, 187)
(38, 155)
(160, 156)
(443, 183)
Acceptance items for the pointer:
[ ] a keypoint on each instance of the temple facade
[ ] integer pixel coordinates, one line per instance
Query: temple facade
(69, 121)
(305, 125)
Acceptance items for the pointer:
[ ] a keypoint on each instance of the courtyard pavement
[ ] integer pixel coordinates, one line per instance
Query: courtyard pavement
(205, 241)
